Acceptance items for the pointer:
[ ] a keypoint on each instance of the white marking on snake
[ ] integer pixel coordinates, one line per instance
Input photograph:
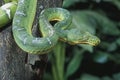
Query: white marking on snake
(51, 31)
(49, 41)
(19, 29)
(21, 1)
(17, 21)
(8, 13)
(36, 40)
(15, 27)
(20, 13)
(24, 41)
(21, 37)
(6, 9)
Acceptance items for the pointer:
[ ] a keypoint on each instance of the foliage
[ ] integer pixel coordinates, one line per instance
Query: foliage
(101, 23)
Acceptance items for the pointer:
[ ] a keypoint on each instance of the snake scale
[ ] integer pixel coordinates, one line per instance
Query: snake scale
(22, 23)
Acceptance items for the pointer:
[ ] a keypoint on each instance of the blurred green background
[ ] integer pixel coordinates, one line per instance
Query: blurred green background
(84, 62)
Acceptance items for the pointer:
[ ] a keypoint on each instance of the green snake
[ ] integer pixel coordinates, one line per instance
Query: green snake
(7, 12)
(23, 21)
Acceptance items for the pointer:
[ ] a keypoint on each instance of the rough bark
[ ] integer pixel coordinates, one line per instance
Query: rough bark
(15, 64)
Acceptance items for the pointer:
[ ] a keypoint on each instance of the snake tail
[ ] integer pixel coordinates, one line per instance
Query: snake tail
(7, 12)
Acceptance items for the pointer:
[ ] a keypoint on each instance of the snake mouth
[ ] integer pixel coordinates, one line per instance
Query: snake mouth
(87, 43)
(93, 42)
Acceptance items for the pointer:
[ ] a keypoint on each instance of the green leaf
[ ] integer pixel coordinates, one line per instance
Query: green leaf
(112, 47)
(75, 62)
(118, 41)
(104, 45)
(89, 77)
(105, 24)
(115, 57)
(101, 57)
(116, 76)
(117, 3)
(68, 3)
(83, 21)
(106, 78)
(58, 61)
(87, 20)
(91, 19)
(109, 46)
(47, 76)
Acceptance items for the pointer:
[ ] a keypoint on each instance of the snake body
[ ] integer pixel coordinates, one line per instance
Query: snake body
(22, 25)
(7, 12)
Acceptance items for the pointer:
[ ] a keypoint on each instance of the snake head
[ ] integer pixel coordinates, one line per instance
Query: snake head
(75, 36)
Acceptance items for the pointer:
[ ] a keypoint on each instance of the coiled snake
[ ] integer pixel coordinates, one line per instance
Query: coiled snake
(22, 25)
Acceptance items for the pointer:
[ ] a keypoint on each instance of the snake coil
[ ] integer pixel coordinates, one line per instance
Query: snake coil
(22, 25)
